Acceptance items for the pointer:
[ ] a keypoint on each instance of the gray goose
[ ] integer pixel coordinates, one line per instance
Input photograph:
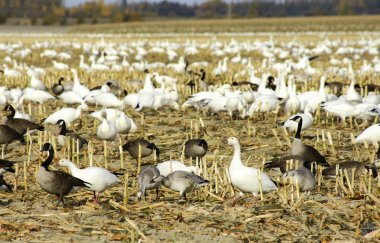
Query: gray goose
(149, 179)
(58, 88)
(20, 125)
(281, 162)
(307, 152)
(56, 182)
(360, 169)
(8, 135)
(183, 182)
(196, 148)
(147, 148)
(303, 177)
(64, 133)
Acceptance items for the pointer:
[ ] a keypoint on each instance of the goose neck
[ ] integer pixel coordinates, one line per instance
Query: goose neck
(236, 159)
(49, 159)
(299, 127)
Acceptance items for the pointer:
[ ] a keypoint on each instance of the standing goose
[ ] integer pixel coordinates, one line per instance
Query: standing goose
(18, 124)
(305, 151)
(303, 177)
(370, 134)
(68, 114)
(106, 130)
(183, 182)
(149, 179)
(246, 179)
(147, 148)
(56, 182)
(58, 88)
(8, 135)
(360, 169)
(64, 134)
(99, 178)
(195, 148)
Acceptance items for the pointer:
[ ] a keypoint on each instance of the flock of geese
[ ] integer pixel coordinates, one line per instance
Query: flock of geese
(239, 99)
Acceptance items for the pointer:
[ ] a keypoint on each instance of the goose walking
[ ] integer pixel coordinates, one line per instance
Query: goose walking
(246, 179)
(149, 179)
(183, 182)
(99, 178)
(56, 182)
(305, 151)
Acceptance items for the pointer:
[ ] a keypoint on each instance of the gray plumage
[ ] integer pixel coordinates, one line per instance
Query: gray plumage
(360, 169)
(149, 179)
(4, 185)
(8, 135)
(58, 88)
(147, 148)
(303, 177)
(183, 182)
(56, 182)
(18, 124)
(281, 162)
(196, 148)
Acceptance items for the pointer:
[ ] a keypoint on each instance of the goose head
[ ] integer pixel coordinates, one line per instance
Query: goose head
(296, 118)
(233, 141)
(64, 162)
(203, 144)
(47, 147)
(154, 147)
(9, 110)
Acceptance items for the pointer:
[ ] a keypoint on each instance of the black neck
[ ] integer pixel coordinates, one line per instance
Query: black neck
(63, 129)
(203, 77)
(298, 134)
(13, 112)
(49, 159)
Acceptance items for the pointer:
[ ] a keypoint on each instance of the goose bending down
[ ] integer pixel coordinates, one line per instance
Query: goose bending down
(195, 148)
(18, 124)
(170, 166)
(106, 130)
(65, 134)
(67, 114)
(360, 169)
(183, 182)
(370, 135)
(302, 177)
(56, 182)
(8, 135)
(246, 179)
(99, 178)
(147, 148)
(149, 179)
(305, 151)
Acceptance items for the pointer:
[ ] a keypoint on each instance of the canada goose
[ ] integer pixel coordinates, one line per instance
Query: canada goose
(8, 134)
(195, 148)
(307, 120)
(183, 182)
(18, 124)
(335, 87)
(6, 166)
(360, 169)
(64, 134)
(147, 148)
(281, 162)
(58, 88)
(4, 185)
(305, 151)
(149, 179)
(56, 182)
(302, 177)
(170, 166)
(246, 179)
(99, 178)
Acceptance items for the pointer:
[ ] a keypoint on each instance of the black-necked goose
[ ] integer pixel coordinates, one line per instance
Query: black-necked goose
(58, 88)
(196, 148)
(305, 151)
(8, 135)
(56, 182)
(302, 177)
(360, 169)
(147, 148)
(18, 124)
(184, 182)
(64, 134)
(149, 179)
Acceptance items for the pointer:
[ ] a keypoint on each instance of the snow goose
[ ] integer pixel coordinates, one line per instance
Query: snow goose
(123, 123)
(147, 148)
(18, 124)
(107, 100)
(370, 135)
(293, 104)
(106, 130)
(60, 65)
(56, 182)
(307, 120)
(71, 97)
(35, 83)
(302, 177)
(183, 182)
(34, 95)
(195, 148)
(64, 134)
(307, 152)
(170, 166)
(58, 88)
(360, 169)
(67, 114)
(149, 179)
(314, 98)
(80, 89)
(340, 108)
(236, 105)
(246, 179)
(99, 178)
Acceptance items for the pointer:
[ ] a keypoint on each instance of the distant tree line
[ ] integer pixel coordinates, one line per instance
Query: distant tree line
(99, 12)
